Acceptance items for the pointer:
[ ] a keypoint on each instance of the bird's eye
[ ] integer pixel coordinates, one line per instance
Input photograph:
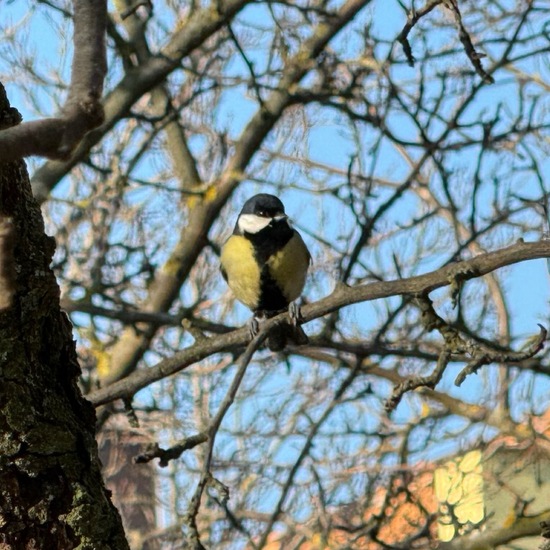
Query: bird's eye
(263, 213)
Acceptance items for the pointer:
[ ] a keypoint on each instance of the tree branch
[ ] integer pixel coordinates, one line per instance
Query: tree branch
(206, 474)
(200, 25)
(469, 48)
(56, 138)
(412, 19)
(522, 527)
(165, 455)
(342, 296)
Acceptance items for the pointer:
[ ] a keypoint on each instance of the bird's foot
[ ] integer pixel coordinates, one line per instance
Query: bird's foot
(294, 313)
(253, 326)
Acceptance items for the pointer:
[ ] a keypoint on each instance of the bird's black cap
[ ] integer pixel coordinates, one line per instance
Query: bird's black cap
(263, 204)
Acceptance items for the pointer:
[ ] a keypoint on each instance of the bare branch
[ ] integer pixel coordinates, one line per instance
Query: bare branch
(415, 16)
(338, 395)
(479, 354)
(206, 475)
(342, 296)
(56, 138)
(165, 455)
(469, 48)
(484, 356)
(201, 24)
(421, 381)
(412, 19)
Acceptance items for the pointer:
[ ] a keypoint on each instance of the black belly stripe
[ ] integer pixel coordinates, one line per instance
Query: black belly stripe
(271, 297)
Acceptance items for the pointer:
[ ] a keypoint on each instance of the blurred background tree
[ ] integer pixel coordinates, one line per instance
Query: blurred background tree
(402, 138)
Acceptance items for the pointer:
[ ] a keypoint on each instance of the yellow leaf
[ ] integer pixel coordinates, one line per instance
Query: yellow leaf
(445, 533)
(470, 461)
(470, 510)
(455, 494)
(442, 484)
(473, 484)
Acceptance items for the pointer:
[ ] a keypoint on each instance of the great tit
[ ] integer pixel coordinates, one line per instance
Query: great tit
(265, 264)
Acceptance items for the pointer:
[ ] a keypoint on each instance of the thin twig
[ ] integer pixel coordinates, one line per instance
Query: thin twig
(415, 15)
(305, 451)
(422, 381)
(165, 455)
(412, 19)
(485, 356)
(248, 63)
(469, 48)
(206, 474)
(480, 354)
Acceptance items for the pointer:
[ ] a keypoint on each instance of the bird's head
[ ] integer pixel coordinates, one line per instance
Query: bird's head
(259, 212)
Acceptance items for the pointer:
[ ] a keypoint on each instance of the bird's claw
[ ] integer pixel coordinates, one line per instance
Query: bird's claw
(294, 313)
(253, 326)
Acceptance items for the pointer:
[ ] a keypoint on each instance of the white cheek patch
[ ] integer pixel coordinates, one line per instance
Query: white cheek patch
(250, 223)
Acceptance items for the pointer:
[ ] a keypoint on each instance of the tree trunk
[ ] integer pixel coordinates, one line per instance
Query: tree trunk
(51, 492)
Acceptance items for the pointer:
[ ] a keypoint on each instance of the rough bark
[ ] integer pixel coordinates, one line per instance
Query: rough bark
(51, 491)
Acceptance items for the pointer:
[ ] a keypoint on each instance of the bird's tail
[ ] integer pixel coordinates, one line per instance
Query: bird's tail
(286, 333)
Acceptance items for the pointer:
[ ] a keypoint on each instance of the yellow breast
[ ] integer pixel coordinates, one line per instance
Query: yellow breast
(270, 286)
(241, 270)
(288, 267)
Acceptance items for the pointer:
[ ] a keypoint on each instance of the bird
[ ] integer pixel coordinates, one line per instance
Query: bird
(265, 263)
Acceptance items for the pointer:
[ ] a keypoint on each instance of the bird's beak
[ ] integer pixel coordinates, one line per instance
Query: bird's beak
(281, 217)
